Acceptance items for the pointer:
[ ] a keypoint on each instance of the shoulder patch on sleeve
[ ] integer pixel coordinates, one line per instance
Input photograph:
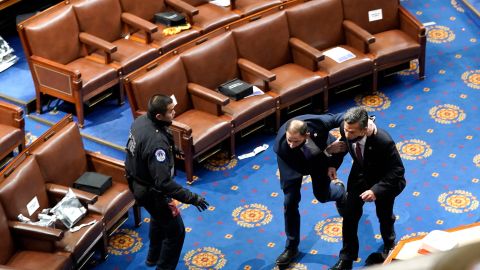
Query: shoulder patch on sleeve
(160, 155)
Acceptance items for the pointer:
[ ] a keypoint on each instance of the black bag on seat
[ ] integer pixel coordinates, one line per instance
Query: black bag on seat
(93, 182)
(236, 89)
(170, 18)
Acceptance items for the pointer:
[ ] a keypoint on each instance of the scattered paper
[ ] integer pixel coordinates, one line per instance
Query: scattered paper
(255, 152)
(339, 54)
(174, 100)
(78, 227)
(221, 3)
(256, 92)
(375, 15)
(429, 23)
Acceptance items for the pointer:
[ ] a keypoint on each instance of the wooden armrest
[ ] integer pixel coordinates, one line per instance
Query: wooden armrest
(97, 42)
(106, 165)
(306, 49)
(262, 73)
(207, 94)
(410, 25)
(187, 130)
(139, 23)
(11, 115)
(357, 37)
(35, 231)
(49, 64)
(183, 7)
(60, 191)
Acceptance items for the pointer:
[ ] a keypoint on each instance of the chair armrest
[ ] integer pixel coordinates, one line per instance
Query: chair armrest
(59, 191)
(97, 42)
(206, 99)
(410, 25)
(35, 231)
(248, 68)
(182, 135)
(11, 115)
(357, 37)
(305, 55)
(183, 7)
(139, 23)
(100, 44)
(106, 165)
(185, 129)
(55, 67)
(252, 68)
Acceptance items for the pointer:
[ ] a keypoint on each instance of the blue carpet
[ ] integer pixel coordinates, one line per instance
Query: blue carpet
(434, 122)
(16, 82)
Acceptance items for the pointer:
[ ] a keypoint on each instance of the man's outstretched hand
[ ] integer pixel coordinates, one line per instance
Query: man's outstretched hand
(200, 203)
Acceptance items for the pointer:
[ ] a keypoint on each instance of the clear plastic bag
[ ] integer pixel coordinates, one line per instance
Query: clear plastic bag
(69, 210)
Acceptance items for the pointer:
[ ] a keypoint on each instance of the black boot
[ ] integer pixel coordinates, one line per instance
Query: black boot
(342, 265)
(287, 256)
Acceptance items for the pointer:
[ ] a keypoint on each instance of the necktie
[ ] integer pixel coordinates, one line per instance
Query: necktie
(358, 152)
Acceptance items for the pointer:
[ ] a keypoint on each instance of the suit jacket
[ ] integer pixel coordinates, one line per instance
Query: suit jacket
(382, 170)
(292, 163)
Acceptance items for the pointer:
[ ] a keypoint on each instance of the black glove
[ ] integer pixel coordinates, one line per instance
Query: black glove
(200, 203)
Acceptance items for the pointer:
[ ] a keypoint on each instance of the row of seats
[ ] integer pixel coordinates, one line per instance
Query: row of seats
(283, 55)
(79, 49)
(42, 173)
(12, 129)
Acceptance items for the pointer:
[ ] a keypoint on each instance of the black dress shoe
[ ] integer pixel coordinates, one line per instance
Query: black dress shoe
(387, 250)
(342, 265)
(150, 263)
(287, 256)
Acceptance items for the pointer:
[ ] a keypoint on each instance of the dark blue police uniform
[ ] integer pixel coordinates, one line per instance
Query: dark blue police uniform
(149, 166)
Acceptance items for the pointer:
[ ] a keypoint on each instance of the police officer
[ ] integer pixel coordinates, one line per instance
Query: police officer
(302, 149)
(150, 169)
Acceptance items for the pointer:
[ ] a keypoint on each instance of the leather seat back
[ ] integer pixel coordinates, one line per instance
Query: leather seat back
(196, 2)
(213, 62)
(145, 9)
(7, 247)
(54, 35)
(358, 12)
(168, 78)
(101, 18)
(265, 41)
(304, 24)
(24, 185)
(62, 157)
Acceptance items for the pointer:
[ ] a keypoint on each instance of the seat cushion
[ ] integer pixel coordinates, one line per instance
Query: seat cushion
(10, 138)
(94, 75)
(248, 7)
(79, 243)
(392, 46)
(207, 129)
(33, 260)
(116, 200)
(132, 55)
(345, 71)
(211, 16)
(250, 109)
(295, 83)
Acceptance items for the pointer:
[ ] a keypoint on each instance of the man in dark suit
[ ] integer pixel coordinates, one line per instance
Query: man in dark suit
(377, 175)
(302, 149)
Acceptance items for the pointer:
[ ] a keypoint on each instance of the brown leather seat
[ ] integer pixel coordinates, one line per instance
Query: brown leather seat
(215, 62)
(327, 33)
(199, 124)
(58, 61)
(249, 7)
(146, 9)
(104, 19)
(63, 169)
(399, 36)
(15, 255)
(25, 184)
(267, 43)
(12, 129)
(211, 16)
